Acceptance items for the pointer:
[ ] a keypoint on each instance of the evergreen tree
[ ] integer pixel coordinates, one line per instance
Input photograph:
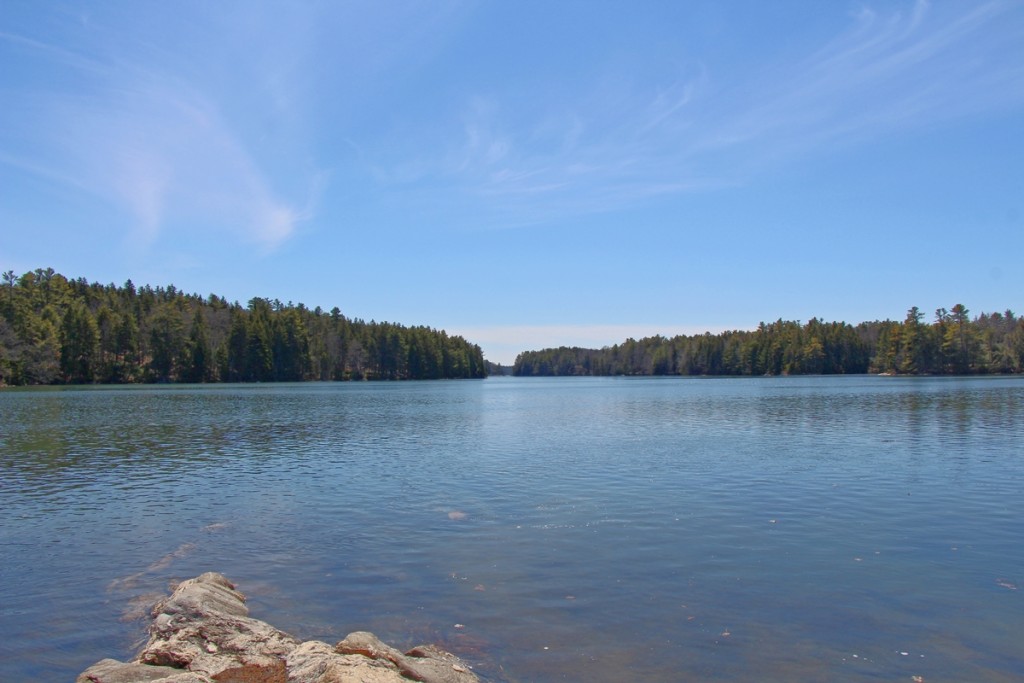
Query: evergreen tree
(166, 337)
(198, 366)
(80, 341)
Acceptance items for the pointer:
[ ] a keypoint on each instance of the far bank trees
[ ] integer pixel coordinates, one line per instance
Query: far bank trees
(952, 344)
(59, 331)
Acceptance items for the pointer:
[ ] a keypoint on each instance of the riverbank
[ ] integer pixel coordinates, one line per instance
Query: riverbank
(203, 633)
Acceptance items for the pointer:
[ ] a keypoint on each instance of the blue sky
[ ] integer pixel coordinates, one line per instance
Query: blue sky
(527, 174)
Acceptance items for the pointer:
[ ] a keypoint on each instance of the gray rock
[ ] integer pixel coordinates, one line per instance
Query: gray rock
(368, 645)
(209, 592)
(316, 662)
(113, 671)
(204, 627)
(424, 663)
(434, 665)
(203, 633)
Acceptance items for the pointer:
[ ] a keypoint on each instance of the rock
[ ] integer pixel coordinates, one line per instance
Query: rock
(368, 645)
(203, 633)
(113, 671)
(205, 627)
(316, 662)
(424, 663)
(438, 666)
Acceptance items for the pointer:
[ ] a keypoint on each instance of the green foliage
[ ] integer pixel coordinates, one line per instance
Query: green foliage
(953, 344)
(55, 330)
(80, 344)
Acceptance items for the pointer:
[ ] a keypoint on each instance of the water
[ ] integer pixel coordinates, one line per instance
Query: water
(786, 529)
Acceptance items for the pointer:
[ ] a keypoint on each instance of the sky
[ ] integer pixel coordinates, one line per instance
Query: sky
(526, 174)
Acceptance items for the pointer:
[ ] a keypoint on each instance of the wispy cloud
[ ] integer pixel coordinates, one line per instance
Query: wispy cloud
(602, 149)
(885, 74)
(58, 54)
(179, 131)
(146, 139)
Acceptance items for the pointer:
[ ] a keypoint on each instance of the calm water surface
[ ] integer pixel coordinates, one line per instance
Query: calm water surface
(787, 529)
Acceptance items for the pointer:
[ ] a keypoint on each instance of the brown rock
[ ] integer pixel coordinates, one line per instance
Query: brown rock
(316, 662)
(424, 663)
(113, 671)
(368, 645)
(209, 592)
(203, 633)
(434, 665)
(204, 627)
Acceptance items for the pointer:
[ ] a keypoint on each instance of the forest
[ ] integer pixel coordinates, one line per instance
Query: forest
(953, 344)
(55, 330)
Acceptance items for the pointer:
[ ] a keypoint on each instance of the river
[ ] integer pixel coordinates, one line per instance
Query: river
(577, 529)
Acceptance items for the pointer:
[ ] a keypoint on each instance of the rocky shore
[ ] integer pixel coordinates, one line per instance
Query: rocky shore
(203, 633)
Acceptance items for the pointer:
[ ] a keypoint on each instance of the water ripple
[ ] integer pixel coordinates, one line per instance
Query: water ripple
(605, 529)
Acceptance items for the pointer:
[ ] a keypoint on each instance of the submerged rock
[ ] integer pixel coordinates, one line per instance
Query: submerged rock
(203, 633)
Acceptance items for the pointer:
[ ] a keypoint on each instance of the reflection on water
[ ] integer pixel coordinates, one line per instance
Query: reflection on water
(772, 529)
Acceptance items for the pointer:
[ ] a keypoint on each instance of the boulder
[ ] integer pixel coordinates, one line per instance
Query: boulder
(203, 633)
(423, 663)
(316, 662)
(205, 627)
(113, 671)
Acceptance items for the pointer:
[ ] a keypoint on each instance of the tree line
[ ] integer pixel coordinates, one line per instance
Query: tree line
(55, 330)
(953, 343)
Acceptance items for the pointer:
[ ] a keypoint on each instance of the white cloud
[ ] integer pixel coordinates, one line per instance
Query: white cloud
(884, 74)
(141, 186)
(148, 141)
(614, 142)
